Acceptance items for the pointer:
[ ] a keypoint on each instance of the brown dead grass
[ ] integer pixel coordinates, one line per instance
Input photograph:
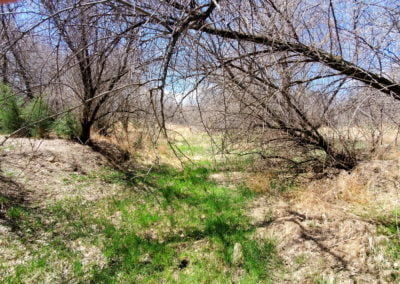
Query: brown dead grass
(134, 141)
(259, 182)
(327, 229)
(390, 134)
(143, 146)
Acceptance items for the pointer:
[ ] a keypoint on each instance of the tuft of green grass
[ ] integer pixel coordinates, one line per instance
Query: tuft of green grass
(15, 212)
(9, 174)
(3, 200)
(391, 228)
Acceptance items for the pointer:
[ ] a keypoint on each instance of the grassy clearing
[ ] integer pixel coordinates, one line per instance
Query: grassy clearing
(181, 229)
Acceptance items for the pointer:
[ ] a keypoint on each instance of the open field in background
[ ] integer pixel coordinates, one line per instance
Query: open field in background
(67, 216)
(387, 141)
(149, 147)
(191, 145)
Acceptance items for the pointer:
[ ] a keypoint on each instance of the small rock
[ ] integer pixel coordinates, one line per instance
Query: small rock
(146, 259)
(51, 159)
(237, 257)
(4, 229)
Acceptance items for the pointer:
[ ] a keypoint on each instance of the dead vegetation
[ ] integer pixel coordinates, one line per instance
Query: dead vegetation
(329, 229)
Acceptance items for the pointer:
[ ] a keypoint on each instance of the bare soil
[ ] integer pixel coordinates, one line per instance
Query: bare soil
(40, 166)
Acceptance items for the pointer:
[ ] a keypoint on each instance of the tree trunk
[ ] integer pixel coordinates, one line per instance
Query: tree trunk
(86, 127)
(4, 70)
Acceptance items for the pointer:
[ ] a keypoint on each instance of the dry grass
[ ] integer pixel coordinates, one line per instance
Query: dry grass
(48, 168)
(355, 192)
(147, 147)
(328, 229)
(133, 141)
(364, 136)
(259, 182)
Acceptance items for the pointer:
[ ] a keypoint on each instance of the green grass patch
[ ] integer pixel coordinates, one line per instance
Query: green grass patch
(192, 150)
(183, 230)
(15, 212)
(391, 228)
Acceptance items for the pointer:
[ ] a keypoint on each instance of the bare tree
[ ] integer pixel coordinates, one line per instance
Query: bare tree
(307, 31)
(277, 57)
(94, 46)
(16, 52)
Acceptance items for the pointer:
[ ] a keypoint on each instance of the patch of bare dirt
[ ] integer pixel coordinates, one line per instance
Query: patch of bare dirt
(41, 167)
(328, 230)
(11, 194)
(229, 179)
(114, 154)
